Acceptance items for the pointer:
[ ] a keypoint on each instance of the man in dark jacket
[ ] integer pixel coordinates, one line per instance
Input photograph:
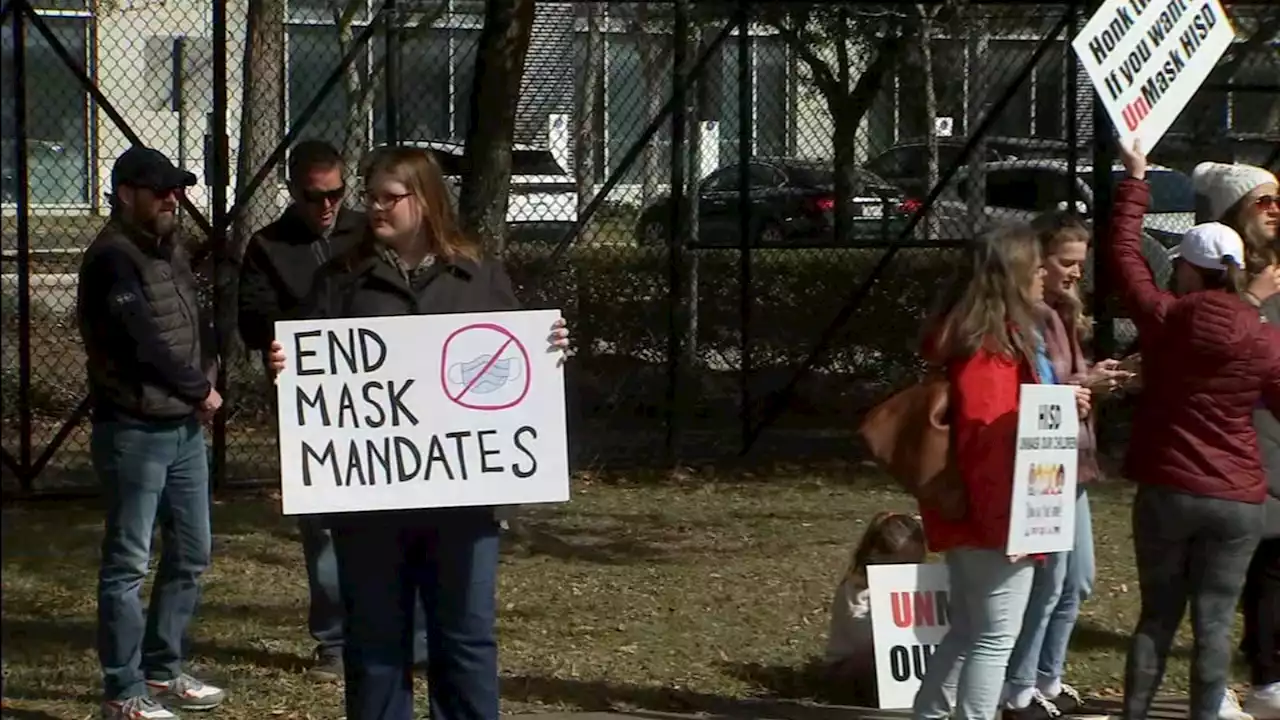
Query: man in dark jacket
(279, 266)
(150, 385)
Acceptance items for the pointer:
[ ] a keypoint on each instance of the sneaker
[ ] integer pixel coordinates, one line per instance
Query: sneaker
(328, 667)
(186, 693)
(1070, 702)
(1263, 702)
(142, 707)
(1039, 709)
(1230, 708)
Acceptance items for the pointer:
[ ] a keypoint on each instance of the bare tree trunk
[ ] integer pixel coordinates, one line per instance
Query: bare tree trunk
(927, 17)
(651, 74)
(355, 86)
(261, 125)
(976, 103)
(588, 102)
(504, 41)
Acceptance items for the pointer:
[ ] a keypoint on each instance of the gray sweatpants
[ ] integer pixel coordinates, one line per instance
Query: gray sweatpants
(1188, 548)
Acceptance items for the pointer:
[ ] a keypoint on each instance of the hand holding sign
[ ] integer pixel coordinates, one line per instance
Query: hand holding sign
(276, 358)
(1135, 161)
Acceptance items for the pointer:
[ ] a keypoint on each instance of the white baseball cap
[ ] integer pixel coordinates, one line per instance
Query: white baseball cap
(1205, 246)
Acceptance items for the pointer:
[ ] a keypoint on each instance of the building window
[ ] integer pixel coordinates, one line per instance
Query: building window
(638, 84)
(57, 127)
(769, 98)
(437, 64)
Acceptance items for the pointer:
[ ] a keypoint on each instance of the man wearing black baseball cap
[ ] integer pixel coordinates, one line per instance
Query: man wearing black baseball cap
(150, 382)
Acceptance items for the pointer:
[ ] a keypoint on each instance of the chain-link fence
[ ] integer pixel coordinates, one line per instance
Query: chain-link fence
(744, 208)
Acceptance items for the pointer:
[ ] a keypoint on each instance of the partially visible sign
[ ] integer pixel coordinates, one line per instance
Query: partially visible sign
(1043, 501)
(910, 608)
(1147, 58)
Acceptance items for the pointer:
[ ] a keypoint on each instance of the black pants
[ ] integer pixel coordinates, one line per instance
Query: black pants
(1196, 549)
(1261, 602)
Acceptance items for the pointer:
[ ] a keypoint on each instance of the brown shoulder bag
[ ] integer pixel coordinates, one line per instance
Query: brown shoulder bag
(910, 436)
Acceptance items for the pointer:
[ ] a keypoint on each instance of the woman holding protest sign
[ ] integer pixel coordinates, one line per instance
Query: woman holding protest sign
(415, 260)
(1198, 515)
(986, 336)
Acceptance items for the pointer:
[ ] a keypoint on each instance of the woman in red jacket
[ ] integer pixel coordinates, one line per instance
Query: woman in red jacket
(1198, 514)
(986, 335)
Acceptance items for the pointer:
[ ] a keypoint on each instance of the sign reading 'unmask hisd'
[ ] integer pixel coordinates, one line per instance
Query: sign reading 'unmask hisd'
(1146, 59)
(421, 411)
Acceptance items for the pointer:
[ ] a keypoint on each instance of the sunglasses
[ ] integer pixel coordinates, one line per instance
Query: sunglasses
(323, 197)
(1267, 202)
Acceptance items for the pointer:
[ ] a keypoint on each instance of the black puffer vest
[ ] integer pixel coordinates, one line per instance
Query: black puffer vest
(170, 290)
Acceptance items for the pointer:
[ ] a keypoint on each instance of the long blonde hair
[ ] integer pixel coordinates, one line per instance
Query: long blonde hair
(987, 306)
(421, 175)
(1055, 229)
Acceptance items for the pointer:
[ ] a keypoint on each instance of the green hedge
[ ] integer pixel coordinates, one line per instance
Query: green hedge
(619, 297)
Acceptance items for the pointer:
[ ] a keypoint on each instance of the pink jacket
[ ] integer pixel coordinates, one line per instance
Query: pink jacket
(1069, 365)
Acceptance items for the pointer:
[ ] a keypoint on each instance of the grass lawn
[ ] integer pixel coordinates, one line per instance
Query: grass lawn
(690, 594)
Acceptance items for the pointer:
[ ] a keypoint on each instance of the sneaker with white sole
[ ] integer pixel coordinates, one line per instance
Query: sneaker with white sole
(1263, 702)
(141, 707)
(1230, 708)
(186, 693)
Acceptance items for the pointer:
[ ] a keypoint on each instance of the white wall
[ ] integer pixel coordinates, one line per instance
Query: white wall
(134, 72)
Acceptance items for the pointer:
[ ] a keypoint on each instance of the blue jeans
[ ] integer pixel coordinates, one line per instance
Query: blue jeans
(324, 618)
(1046, 591)
(1077, 586)
(149, 472)
(988, 599)
(447, 560)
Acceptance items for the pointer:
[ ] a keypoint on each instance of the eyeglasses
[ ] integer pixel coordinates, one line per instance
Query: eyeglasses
(382, 201)
(1267, 202)
(323, 197)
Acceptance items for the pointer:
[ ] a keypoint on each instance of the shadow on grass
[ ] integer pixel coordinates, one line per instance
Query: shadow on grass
(1088, 637)
(227, 655)
(600, 696)
(19, 714)
(40, 637)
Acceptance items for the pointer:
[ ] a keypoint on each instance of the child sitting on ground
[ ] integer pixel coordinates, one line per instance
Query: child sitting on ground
(890, 538)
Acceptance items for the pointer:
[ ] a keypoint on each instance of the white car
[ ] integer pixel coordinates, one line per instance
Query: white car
(543, 205)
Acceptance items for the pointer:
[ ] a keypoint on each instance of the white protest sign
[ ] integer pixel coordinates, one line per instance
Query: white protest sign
(1043, 511)
(1146, 59)
(909, 617)
(421, 411)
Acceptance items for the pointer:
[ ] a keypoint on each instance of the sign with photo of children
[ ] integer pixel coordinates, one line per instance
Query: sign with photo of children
(1042, 517)
(908, 620)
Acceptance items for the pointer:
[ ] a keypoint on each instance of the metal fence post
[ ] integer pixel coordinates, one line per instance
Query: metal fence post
(746, 122)
(391, 76)
(218, 199)
(679, 225)
(19, 29)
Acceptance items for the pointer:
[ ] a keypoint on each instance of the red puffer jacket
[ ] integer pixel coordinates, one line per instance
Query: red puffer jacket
(984, 418)
(1207, 359)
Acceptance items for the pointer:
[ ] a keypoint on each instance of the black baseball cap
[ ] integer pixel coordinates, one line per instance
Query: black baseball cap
(144, 167)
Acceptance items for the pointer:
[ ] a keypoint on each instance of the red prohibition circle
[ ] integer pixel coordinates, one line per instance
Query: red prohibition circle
(511, 339)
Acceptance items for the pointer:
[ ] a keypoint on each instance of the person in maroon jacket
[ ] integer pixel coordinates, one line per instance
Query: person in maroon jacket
(1198, 514)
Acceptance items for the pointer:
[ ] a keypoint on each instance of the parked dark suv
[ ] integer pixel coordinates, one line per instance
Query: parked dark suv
(792, 205)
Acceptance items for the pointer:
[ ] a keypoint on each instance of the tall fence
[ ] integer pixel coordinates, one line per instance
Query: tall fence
(743, 208)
